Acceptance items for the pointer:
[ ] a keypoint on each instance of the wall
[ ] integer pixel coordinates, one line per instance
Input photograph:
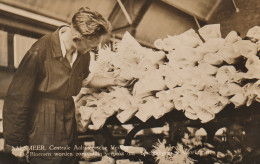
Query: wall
(161, 20)
(246, 18)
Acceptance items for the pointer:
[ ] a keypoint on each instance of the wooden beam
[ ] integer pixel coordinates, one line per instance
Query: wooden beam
(142, 12)
(30, 15)
(114, 13)
(197, 22)
(128, 18)
(23, 24)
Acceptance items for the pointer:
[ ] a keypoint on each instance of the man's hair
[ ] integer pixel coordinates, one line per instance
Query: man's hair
(89, 23)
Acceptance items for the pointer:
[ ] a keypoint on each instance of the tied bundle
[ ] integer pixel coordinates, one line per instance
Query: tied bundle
(185, 73)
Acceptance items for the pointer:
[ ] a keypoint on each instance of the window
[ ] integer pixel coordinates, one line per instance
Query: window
(21, 45)
(3, 49)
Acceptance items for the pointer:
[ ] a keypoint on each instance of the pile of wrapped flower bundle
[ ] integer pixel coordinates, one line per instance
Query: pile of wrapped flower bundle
(196, 73)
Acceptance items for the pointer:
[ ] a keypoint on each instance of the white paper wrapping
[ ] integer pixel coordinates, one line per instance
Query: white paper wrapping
(239, 99)
(213, 59)
(245, 48)
(254, 33)
(126, 115)
(198, 78)
(98, 119)
(225, 74)
(210, 31)
(232, 37)
(229, 89)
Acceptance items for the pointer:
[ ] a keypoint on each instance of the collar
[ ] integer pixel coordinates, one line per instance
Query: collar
(63, 49)
(62, 45)
(56, 43)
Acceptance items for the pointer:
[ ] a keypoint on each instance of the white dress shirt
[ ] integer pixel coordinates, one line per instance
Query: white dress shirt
(63, 48)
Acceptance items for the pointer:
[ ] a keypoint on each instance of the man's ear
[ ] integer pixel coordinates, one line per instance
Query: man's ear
(75, 39)
(75, 35)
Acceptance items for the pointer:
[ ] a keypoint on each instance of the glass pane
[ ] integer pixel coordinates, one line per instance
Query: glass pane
(21, 45)
(3, 49)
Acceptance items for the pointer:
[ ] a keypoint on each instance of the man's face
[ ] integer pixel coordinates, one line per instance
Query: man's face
(85, 44)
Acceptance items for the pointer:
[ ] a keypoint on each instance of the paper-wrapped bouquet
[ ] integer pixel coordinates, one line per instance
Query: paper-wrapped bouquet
(187, 73)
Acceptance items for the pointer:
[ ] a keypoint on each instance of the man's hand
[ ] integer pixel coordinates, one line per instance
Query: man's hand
(123, 82)
(104, 80)
(120, 82)
(22, 153)
(108, 79)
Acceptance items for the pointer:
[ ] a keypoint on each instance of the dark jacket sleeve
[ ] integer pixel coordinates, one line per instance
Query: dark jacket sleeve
(18, 99)
(87, 64)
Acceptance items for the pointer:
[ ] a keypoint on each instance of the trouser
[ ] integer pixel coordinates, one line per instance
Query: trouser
(52, 126)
